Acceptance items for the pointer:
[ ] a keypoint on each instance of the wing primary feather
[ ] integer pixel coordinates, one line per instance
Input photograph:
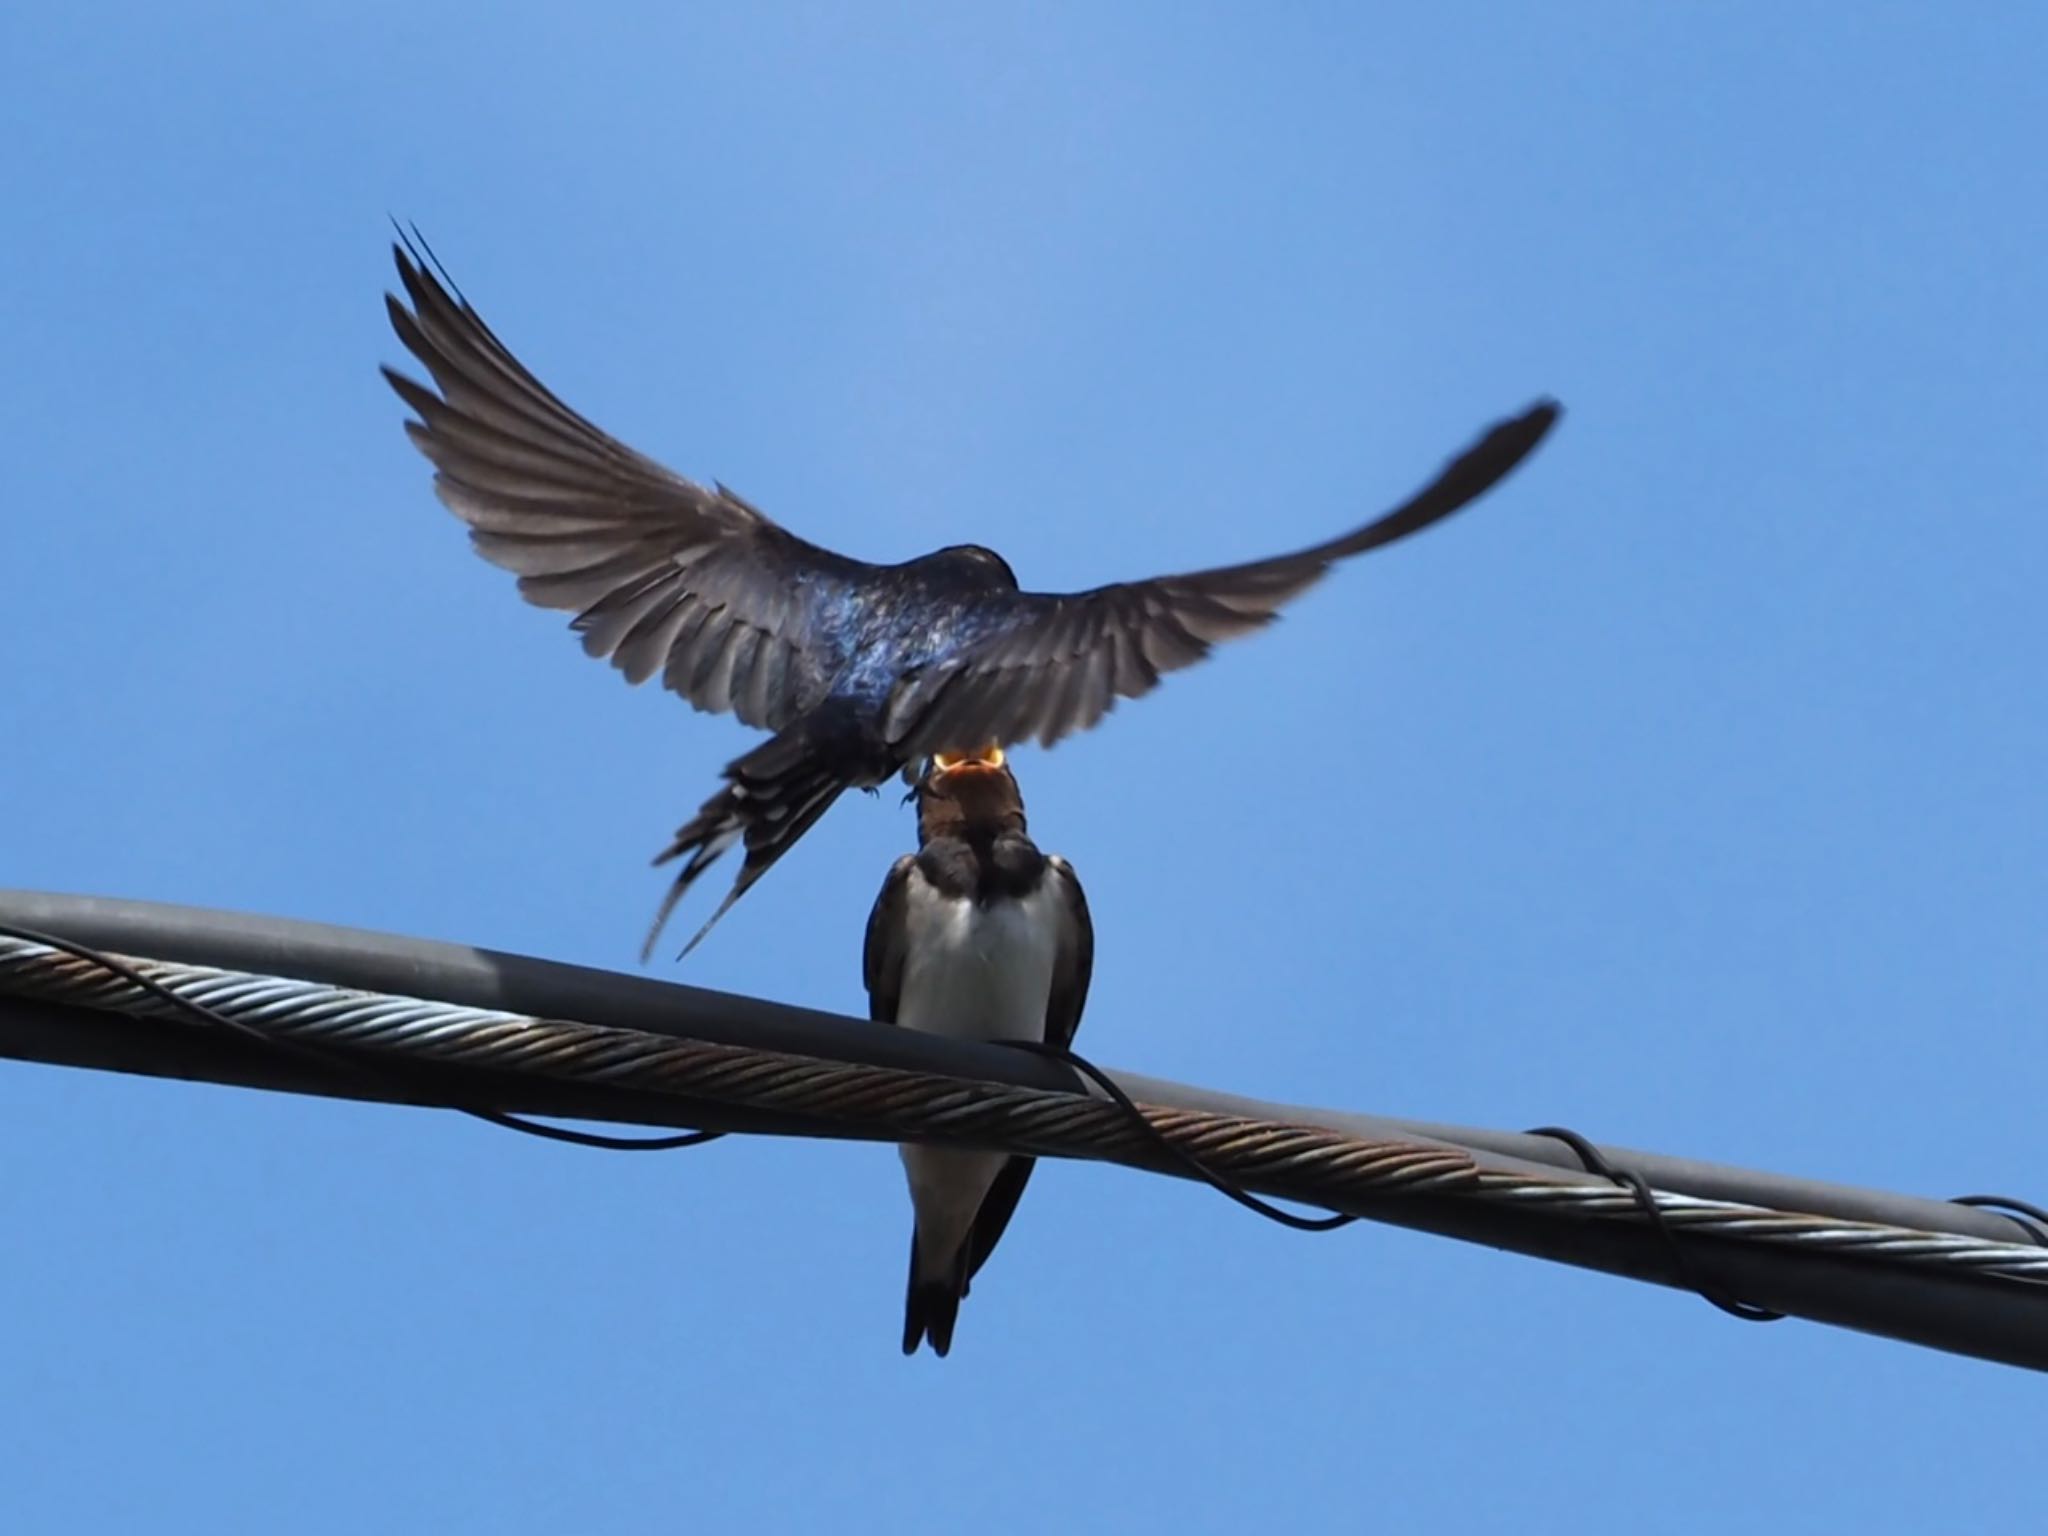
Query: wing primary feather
(1052, 663)
(592, 526)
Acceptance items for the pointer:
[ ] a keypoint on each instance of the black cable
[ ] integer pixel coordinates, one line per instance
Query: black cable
(323, 1056)
(327, 1058)
(1201, 1170)
(1646, 1201)
(2030, 1219)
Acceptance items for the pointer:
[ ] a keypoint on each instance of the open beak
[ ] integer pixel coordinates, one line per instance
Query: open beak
(987, 760)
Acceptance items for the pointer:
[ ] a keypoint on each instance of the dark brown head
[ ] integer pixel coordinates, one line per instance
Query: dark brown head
(972, 562)
(968, 794)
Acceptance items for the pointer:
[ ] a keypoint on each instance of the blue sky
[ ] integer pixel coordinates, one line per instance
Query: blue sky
(1687, 792)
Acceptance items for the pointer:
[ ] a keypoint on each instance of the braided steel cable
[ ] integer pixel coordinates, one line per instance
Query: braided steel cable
(383, 1017)
(1311, 1164)
(1688, 1213)
(1300, 1162)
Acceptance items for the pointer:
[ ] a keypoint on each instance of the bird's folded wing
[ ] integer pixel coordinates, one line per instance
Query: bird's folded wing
(665, 576)
(882, 954)
(1055, 663)
(1074, 960)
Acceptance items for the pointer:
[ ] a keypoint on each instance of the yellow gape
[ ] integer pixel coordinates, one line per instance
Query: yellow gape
(987, 757)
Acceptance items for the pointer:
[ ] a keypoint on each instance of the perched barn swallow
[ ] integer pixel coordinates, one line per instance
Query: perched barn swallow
(979, 936)
(859, 670)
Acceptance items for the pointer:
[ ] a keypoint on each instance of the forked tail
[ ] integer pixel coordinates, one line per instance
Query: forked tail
(931, 1303)
(771, 797)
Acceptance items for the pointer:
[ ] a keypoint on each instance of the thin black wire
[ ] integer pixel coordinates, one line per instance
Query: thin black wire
(324, 1057)
(2030, 1219)
(362, 1071)
(1646, 1201)
(1181, 1155)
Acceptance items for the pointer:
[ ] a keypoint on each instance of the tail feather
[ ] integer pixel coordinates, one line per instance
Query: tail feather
(932, 1305)
(771, 797)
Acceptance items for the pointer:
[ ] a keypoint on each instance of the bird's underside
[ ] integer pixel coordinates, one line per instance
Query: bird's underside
(858, 669)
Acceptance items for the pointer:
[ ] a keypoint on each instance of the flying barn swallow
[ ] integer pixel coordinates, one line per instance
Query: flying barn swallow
(978, 936)
(858, 670)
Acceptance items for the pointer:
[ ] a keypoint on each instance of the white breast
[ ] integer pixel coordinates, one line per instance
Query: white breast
(978, 972)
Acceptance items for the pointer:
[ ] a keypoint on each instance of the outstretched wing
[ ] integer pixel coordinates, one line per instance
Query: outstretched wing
(663, 575)
(1055, 663)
